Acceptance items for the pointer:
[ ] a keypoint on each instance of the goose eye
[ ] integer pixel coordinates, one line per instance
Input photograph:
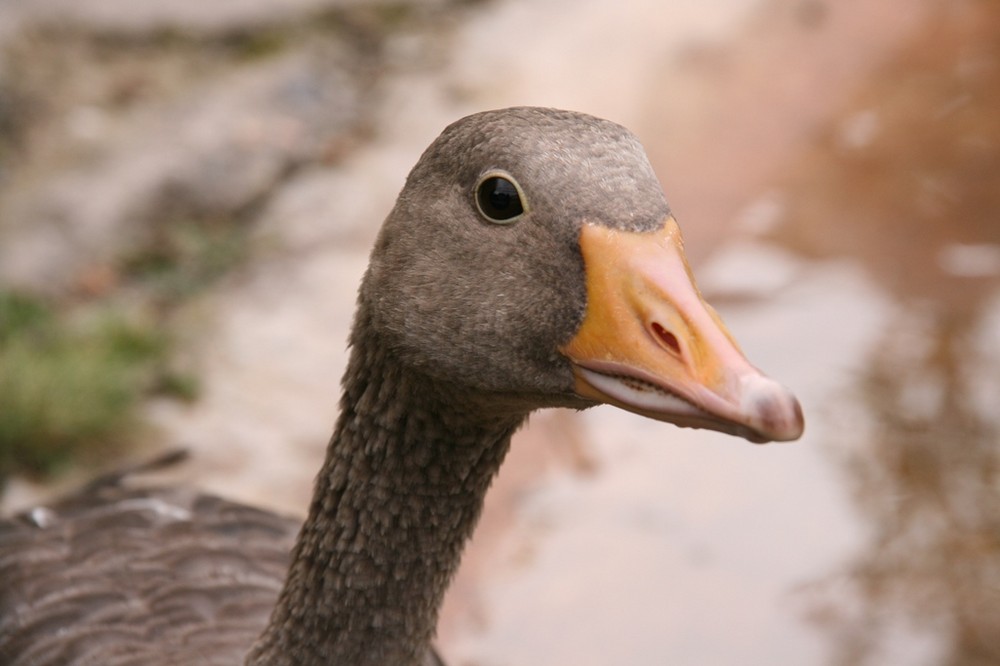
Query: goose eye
(499, 199)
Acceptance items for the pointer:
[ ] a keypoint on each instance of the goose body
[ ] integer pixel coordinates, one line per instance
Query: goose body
(530, 261)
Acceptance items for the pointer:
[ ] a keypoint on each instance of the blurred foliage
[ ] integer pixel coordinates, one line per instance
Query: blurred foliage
(69, 386)
(185, 257)
(73, 373)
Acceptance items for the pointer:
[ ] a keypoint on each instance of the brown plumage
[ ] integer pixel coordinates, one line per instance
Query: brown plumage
(530, 261)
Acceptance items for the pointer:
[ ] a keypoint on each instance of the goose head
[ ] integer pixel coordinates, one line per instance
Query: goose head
(531, 260)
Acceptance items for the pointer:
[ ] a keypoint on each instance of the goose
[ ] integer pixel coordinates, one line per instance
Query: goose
(530, 261)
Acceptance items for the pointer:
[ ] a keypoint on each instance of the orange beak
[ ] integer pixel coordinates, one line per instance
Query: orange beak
(650, 344)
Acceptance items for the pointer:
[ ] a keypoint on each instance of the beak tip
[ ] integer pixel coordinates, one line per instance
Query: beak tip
(773, 410)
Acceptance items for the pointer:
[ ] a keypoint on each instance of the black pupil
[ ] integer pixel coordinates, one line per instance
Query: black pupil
(498, 199)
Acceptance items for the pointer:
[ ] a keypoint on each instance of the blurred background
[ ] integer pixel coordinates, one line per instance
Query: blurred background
(189, 190)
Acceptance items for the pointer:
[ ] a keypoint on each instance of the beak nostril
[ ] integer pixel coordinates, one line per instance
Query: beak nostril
(668, 339)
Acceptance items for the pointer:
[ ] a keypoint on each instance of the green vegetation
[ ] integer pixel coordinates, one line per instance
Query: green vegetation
(72, 376)
(69, 386)
(184, 258)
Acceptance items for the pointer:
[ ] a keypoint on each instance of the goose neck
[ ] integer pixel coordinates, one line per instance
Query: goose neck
(400, 491)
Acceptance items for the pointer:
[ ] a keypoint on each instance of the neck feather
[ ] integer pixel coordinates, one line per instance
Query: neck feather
(400, 491)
